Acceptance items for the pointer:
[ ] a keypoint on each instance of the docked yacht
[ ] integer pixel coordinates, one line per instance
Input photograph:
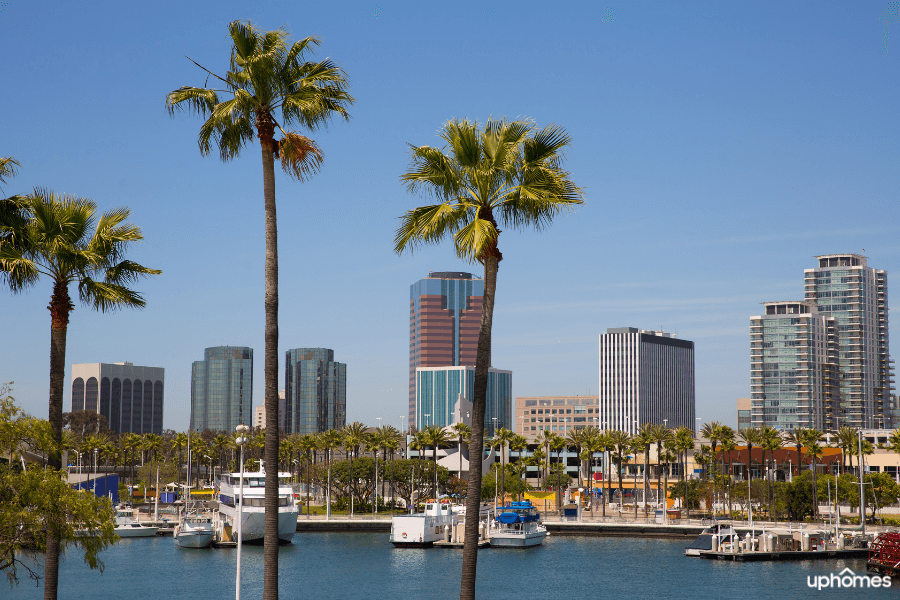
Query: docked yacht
(253, 511)
(517, 525)
(720, 537)
(195, 530)
(422, 530)
(128, 526)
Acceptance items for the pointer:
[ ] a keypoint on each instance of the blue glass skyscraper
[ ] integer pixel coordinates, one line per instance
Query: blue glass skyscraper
(315, 391)
(222, 389)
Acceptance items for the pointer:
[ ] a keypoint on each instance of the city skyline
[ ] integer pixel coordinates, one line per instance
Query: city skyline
(716, 144)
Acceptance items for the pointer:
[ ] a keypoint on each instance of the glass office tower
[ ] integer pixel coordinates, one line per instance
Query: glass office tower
(130, 398)
(444, 319)
(222, 389)
(440, 389)
(315, 391)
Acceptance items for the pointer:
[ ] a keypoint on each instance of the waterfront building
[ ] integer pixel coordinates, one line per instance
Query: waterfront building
(442, 392)
(259, 413)
(444, 319)
(131, 398)
(792, 369)
(315, 391)
(843, 287)
(645, 377)
(743, 413)
(222, 389)
(559, 414)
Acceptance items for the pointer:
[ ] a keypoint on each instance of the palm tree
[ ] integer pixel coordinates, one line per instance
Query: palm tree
(751, 437)
(558, 444)
(619, 442)
(846, 441)
(795, 437)
(644, 438)
(462, 431)
(329, 441)
(503, 438)
(770, 440)
(811, 439)
(61, 238)
(307, 444)
(660, 435)
(684, 443)
(519, 444)
(179, 443)
(268, 75)
(728, 446)
(354, 435)
(575, 438)
(545, 439)
(502, 171)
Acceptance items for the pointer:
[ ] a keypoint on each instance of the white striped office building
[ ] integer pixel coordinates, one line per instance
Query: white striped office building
(645, 377)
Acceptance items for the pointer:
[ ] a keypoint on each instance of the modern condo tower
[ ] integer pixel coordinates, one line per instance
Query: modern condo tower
(855, 295)
(315, 391)
(645, 377)
(792, 373)
(129, 397)
(222, 389)
(444, 318)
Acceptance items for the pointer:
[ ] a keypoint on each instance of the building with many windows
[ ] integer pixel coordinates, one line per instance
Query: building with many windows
(645, 377)
(844, 288)
(129, 397)
(315, 391)
(444, 318)
(559, 414)
(444, 396)
(222, 389)
(743, 413)
(792, 372)
(259, 413)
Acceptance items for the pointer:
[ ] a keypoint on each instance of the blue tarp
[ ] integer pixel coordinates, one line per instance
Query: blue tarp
(508, 518)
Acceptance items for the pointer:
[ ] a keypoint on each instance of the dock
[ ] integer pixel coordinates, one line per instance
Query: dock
(786, 555)
(481, 544)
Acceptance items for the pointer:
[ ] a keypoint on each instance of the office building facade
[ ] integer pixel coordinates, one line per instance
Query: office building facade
(315, 391)
(645, 377)
(559, 414)
(129, 397)
(743, 414)
(259, 413)
(844, 288)
(442, 392)
(444, 319)
(792, 374)
(222, 389)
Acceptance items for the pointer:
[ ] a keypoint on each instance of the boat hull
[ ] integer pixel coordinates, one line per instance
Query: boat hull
(522, 540)
(195, 539)
(134, 532)
(253, 524)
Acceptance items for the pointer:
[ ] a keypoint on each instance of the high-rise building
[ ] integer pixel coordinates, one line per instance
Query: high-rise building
(315, 391)
(444, 318)
(645, 377)
(845, 288)
(792, 372)
(442, 392)
(558, 414)
(129, 397)
(222, 389)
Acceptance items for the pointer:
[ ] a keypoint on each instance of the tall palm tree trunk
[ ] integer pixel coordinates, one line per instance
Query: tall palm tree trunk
(482, 364)
(60, 307)
(265, 131)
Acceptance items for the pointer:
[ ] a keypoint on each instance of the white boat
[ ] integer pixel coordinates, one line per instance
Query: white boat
(254, 512)
(127, 526)
(720, 537)
(422, 530)
(195, 530)
(517, 525)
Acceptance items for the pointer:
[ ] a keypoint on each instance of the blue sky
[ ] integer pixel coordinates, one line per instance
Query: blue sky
(721, 147)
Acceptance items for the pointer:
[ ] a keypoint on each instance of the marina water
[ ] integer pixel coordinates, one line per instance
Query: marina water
(351, 566)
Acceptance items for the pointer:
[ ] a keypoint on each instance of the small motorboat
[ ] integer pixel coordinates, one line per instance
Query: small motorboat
(517, 525)
(128, 526)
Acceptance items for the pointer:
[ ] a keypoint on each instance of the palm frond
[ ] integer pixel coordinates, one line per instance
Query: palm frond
(16, 270)
(300, 156)
(433, 172)
(548, 143)
(8, 167)
(464, 140)
(475, 239)
(296, 53)
(200, 101)
(106, 297)
(126, 272)
(428, 225)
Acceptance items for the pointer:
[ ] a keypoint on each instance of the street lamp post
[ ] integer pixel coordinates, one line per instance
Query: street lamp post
(241, 441)
(496, 479)
(95, 471)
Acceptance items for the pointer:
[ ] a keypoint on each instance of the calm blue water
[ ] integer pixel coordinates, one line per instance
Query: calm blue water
(350, 566)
